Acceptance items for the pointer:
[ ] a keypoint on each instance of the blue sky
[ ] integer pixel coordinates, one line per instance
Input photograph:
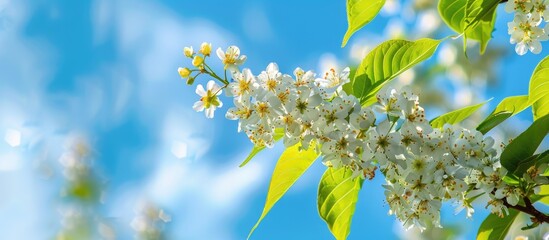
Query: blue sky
(107, 70)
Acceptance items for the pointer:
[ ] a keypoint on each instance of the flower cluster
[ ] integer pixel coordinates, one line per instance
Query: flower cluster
(525, 29)
(423, 166)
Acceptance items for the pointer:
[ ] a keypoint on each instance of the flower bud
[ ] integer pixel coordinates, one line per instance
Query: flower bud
(184, 72)
(190, 81)
(188, 51)
(197, 61)
(206, 48)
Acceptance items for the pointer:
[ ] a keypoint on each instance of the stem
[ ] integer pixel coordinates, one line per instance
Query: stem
(537, 216)
(212, 73)
(224, 86)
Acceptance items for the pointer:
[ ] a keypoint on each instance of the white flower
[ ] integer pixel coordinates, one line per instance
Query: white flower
(209, 99)
(384, 143)
(243, 85)
(242, 110)
(231, 58)
(332, 81)
(333, 115)
(261, 134)
(265, 111)
(411, 137)
(306, 104)
(388, 103)
(363, 119)
(271, 80)
(339, 148)
(540, 11)
(526, 34)
(512, 195)
(497, 207)
(520, 6)
(303, 78)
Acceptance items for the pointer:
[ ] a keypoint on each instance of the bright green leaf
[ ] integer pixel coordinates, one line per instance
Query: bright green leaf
(496, 228)
(539, 89)
(453, 13)
(505, 109)
(360, 13)
(290, 166)
(482, 32)
(524, 146)
(387, 61)
(477, 10)
(544, 194)
(337, 197)
(279, 133)
(541, 107)
(455, 116)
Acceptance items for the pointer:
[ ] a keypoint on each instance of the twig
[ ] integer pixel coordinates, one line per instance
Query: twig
(529, 209)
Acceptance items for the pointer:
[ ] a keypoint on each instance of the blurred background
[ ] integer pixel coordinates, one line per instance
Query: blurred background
(99, 139)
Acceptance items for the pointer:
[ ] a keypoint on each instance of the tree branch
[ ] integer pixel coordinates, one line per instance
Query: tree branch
(537, 216)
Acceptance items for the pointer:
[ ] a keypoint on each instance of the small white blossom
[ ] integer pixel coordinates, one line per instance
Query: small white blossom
(540, 11)
(332, 81)
(209, 99)
(520, 6)
(231, 58)
(243, 85)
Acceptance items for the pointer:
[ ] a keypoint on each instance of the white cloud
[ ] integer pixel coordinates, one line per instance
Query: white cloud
(179, 149)
(200, 193)
(202, 197)
(13, 137)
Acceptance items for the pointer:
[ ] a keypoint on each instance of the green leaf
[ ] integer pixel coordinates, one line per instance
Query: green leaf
(476, 10)
(506, 108)
(536, 159)
(360, 13)
(492, 121)
(482, 32)
(544, 194)
(539, 89)
(453, 13)
(279, 133)
(455, 116)
(496, 228)
(291, 165)
(387, 61)
(337, 197)
(524, 146)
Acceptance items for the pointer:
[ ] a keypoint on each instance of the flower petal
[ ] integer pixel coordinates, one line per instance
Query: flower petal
(220, 54)
(211, 85)
(521, 48)
(200, 90)
(198, 106)
(210, 112)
